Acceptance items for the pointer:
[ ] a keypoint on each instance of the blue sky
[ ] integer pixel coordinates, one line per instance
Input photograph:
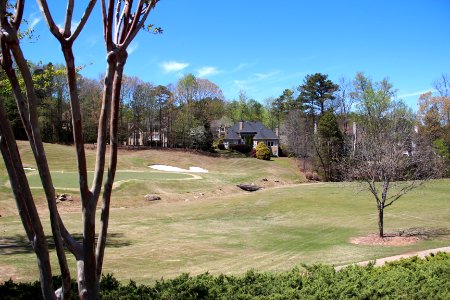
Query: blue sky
(264, 47)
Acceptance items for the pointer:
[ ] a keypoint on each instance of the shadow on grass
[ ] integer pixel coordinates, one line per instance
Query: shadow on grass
(19, 244)
(423, 233)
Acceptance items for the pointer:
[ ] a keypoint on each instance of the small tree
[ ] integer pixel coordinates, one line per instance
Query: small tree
(262, 151)
(389, 158)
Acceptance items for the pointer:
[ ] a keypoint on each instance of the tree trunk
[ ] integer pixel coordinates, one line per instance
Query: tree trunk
(380, 222)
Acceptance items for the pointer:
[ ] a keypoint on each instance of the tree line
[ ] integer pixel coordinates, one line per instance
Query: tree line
(317, 120)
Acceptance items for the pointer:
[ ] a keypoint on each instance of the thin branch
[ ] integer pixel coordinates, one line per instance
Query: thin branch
(7, 66)
(68, 21)
(403, 191)
(119, 21)
(108, 24)
(131, 34)
(77, 124)
(102, 125)
(74, 247)
(101, 243)
(83, 20)
(18, 14)
(122, 30)
(54, 29)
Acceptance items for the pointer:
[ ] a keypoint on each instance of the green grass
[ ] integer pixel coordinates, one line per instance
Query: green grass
(69, 180)
(209, 224)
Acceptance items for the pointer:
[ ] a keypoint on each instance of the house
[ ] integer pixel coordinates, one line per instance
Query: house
(219, 127)
(138, 137)
(252, 133)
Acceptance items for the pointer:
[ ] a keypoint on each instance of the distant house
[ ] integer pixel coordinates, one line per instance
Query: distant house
(252, 133)
(138, 137)
(218, 127)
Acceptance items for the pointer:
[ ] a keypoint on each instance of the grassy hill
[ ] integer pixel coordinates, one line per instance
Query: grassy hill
(208, 224)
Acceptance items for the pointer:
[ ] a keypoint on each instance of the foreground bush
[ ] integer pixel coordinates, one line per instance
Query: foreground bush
(405, 279)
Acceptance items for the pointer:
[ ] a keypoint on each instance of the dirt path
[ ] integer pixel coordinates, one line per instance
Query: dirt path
(381, 261)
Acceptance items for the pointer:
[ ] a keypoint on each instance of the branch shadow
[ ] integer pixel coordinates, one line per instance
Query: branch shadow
(423, 233)
(19, 244)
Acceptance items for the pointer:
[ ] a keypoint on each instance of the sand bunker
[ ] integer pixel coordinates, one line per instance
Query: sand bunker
(176, 169)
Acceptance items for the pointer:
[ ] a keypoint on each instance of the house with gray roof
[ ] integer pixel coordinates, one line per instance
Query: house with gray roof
(252, 133)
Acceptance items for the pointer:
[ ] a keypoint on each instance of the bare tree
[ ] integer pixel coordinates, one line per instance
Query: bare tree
(389, 159)
(120, 26)
(343, 102)
(300, 135)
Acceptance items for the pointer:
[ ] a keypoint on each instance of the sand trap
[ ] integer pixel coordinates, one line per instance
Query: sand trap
(176, 169)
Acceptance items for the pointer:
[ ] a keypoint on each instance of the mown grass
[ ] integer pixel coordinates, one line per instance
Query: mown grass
(69, 180)
(210, 225)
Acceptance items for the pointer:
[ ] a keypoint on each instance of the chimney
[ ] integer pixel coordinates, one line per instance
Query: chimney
(241, 125)
(277, 132)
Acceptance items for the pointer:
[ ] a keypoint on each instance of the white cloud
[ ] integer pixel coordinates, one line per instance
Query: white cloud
(34, 18)
(35, 21)
(240, 67)
(413, 94)
(205, 71)
(173, 66)
(261, 76)
(132, 47)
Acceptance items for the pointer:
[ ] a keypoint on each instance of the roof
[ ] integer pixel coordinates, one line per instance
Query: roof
(260, 131)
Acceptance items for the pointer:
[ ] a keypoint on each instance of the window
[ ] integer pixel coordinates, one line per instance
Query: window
(270, 143)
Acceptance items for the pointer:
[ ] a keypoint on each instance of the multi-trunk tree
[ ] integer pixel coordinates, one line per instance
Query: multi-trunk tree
(121, 23)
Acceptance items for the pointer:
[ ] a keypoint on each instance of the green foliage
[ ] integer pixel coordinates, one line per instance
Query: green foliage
(262, 151)
(330, 145)
(442, 149)
(412, 278)
(315, 93)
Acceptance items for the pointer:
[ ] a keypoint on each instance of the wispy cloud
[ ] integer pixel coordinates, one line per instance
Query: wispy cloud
(251, 83)
(206, 71)
(261, 76)
(34, 18)
(133, 46)
(256, 77)
(173, 66)
(414, 94)
(35, 21)
(240, 67)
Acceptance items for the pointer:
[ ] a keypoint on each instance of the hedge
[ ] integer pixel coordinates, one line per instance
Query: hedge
(412, 278)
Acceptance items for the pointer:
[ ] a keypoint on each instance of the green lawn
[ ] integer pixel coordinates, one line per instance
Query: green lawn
(69, 180)
(209, 224)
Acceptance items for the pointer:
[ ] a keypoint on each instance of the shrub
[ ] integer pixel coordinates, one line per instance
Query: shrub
(412, 278)
(312, 176)
(242, 148)
(262, 151)
(221, 146)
